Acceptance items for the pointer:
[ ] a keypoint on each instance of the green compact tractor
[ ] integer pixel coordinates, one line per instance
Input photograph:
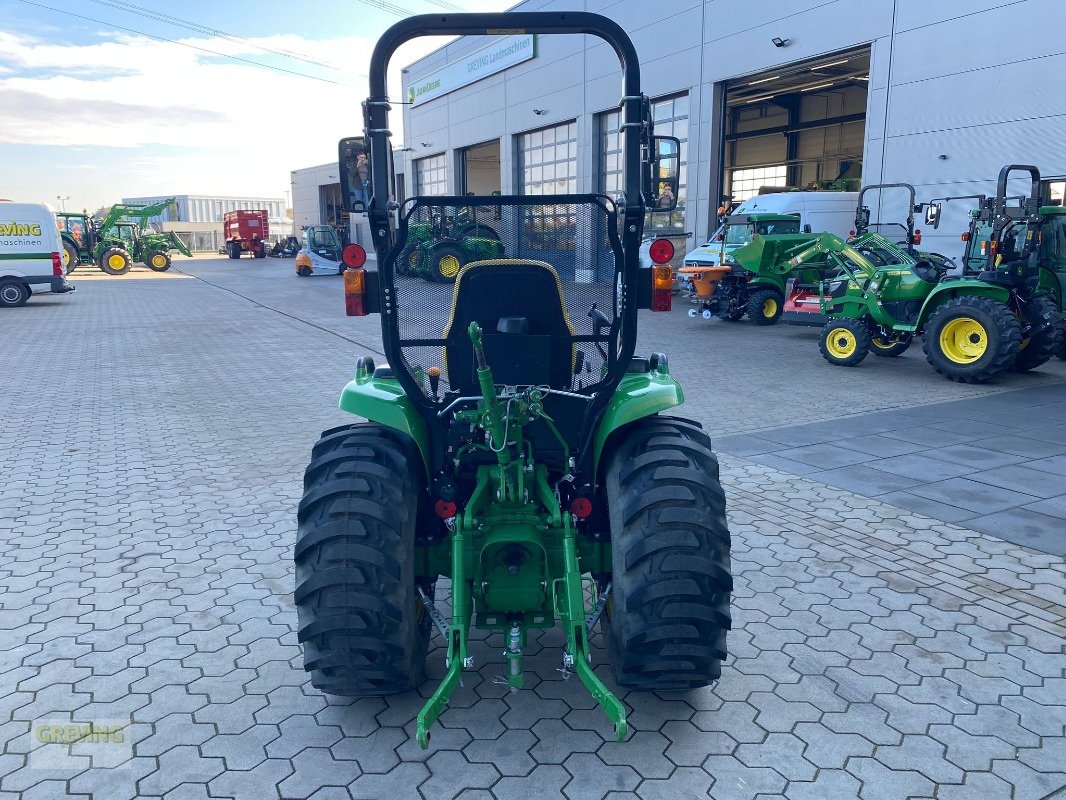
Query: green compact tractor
(973, 326)
(515, 462)
(115, 244)
(755, 286)
(439, 247)
(1020, 242)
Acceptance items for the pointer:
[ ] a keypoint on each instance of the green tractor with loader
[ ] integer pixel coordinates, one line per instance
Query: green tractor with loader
(973, 326)
(116, 244)
(731, 289)
(516, 462)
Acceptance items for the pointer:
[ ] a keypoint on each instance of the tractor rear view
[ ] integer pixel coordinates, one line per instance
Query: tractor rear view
(515, 460)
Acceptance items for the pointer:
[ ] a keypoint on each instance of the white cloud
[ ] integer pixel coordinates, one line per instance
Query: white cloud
(191, 122)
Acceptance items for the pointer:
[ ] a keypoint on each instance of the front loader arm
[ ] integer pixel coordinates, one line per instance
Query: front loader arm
(179, 245)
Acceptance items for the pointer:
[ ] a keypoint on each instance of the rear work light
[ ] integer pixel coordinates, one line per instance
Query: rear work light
(355, 291)
(353, 256)
(662, 287)
(57, 265)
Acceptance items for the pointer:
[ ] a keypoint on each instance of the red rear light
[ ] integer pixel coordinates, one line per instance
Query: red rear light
(851, 234)
(965, 236)
(353, 256)
(581, 507)
(57, 265)
(662, 286)
(917, 238)
(355, 292)
(445, 509)
(661, 251)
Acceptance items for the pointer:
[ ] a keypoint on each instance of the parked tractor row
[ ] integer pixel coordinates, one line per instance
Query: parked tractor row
(116, 243)
(874, 292)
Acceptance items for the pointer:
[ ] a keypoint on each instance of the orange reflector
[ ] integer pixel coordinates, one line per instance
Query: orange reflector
(917, 238)
(965, 236)
(353, 255)
(993, 246)
(661, 251)
(355, 292)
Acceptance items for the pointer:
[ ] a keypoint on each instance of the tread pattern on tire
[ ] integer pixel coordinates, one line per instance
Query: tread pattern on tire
(858, 328)
(1008, 335)
(670, 550)
(360, 619)
(756, 302)
(1048, 341)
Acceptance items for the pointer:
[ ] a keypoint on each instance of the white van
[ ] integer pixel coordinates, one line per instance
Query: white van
(31, 253)
(818, 212)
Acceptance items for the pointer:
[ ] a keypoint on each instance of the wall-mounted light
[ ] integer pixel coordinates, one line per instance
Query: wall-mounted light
(943, 156)
(407, 150)
(779, 42)
(426, 144)
(540, 112)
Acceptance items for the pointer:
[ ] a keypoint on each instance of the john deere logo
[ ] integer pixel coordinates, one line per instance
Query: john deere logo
(19, 229)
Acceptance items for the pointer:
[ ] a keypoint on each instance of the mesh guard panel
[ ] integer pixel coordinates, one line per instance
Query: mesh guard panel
(523, 258)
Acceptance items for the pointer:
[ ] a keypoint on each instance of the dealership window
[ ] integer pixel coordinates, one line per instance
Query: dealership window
(547, 164)
(431, 176)
(547, 160)
(670, 115)
(746, 183)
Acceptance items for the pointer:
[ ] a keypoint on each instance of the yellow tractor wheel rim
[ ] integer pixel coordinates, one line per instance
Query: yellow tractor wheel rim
(769, 308)
(448, 266)
(158, 260)
(115, 261)
(882, 344)
(841, 343)
(963, 340)
(414, 258)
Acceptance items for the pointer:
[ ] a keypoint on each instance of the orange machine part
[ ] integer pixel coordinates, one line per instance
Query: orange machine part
(704, 279)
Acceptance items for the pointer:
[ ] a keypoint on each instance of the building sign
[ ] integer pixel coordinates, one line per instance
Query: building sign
(482, 63)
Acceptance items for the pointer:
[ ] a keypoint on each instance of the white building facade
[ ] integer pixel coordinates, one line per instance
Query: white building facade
(798, 93)
(197, 219)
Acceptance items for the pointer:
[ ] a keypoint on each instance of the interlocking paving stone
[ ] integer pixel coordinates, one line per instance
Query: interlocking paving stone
(145, 556)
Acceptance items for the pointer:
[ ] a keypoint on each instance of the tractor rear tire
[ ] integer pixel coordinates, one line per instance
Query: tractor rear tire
(844, 342)
(362, 624)
(764, 306)
(410, 260)
(70, 258)
(233, 249)
(159, 262)
(445, 261)
(115, 261)
(1046, 342)
(972, 339)
(260, 251)
(671, 582)
(889, 348)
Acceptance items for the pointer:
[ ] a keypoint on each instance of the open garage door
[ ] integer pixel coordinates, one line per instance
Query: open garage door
(800, 125)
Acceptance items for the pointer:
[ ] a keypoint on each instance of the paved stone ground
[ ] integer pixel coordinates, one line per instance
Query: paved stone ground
(996, 464)
(153, 436)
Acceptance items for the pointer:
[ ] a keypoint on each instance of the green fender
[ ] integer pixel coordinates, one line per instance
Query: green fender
(638, 395)
(966, 286)
(384, 401)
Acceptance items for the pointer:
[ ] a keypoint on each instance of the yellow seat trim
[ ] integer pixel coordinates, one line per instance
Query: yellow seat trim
(503, 262)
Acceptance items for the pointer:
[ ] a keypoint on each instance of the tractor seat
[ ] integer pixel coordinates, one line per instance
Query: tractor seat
(528, 337)
(926, 271)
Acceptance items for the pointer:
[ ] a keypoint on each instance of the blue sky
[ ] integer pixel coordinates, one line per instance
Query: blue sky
(96, 113)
